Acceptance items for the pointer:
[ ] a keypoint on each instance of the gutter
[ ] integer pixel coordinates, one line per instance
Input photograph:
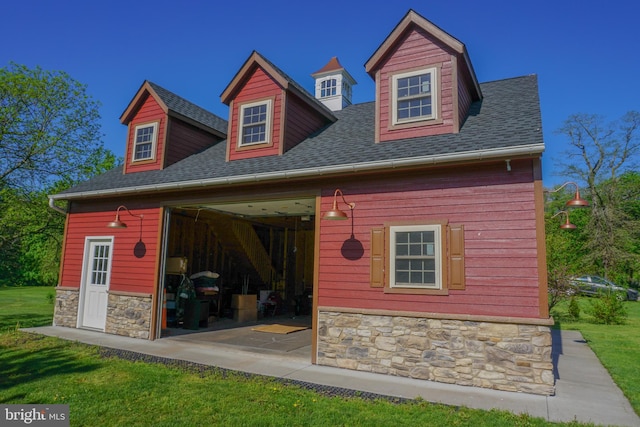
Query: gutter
(466, 156)
(54, 207)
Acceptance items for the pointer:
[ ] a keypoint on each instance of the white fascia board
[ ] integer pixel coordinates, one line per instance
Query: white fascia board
(465, 156)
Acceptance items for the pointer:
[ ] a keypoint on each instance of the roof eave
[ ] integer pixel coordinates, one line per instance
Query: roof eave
(255, 59)
(414, 18)
(325, 171)
(135, 103)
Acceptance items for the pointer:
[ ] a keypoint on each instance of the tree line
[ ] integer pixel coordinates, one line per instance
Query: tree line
(602, 158)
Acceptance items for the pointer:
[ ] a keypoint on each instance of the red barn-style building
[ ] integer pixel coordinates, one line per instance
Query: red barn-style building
(437, 272)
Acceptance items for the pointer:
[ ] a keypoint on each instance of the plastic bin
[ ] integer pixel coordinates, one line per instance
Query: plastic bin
(191, 318)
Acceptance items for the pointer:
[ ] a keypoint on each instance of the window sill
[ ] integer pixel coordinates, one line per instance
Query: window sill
(416, 124)
(142, 162)
(415, 291)
(254, 146)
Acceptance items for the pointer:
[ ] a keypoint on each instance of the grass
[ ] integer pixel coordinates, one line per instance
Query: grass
(111, 391)
(617, 346)
(25, 307)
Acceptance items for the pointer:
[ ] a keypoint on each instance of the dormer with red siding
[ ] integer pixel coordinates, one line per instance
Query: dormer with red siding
(425, 82)
(164, 128)
(269, 113)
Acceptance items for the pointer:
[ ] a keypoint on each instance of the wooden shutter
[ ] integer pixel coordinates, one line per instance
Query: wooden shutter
(456, 257)
(377, 258)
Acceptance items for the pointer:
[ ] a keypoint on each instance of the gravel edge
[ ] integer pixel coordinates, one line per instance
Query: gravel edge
(202, 369)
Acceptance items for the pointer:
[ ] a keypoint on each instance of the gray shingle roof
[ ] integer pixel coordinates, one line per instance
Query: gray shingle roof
(190, 110)
(302, 91)
(507, 118)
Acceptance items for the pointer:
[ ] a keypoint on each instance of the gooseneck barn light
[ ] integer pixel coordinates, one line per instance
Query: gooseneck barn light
(567, 225)
(335, 213)
(577, 201)
(116, 223)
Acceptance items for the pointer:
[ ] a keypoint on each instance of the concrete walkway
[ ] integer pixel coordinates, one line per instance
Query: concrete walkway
(584, 390)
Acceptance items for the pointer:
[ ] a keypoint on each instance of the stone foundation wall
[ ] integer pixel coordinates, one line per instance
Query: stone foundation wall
(129, 315)
(511, 357)
(65, 312)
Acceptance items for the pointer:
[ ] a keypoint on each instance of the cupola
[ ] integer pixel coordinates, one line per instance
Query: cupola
(333, 85)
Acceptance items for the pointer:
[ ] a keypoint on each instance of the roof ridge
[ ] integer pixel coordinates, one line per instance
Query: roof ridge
(189, 109)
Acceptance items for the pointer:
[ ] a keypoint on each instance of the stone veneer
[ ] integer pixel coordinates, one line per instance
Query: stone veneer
(65, 312)
(501, 356)
(127, 314)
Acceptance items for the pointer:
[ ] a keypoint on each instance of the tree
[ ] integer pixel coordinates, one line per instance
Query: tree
(599, 154)
(49, 140)
(48, 126)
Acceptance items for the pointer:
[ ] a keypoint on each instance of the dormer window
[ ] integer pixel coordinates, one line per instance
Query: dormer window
(328, 88)
(256, 123)
(146, 137)
(414, 96)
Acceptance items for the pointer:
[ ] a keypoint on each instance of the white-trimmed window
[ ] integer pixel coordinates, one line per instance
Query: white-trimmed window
(145, 140)
(414, 96)
(328, 88)
(416, 256)
(255, 125)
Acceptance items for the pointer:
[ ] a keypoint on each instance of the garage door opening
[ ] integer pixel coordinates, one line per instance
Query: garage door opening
(233, 265)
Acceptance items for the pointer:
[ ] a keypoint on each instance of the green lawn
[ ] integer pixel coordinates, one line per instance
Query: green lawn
(26, 307)
(113, 392)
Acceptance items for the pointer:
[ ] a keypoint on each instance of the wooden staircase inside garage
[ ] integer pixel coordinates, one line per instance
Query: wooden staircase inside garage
(240, 241)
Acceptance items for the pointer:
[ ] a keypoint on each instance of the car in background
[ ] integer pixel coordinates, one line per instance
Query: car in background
(594, 285)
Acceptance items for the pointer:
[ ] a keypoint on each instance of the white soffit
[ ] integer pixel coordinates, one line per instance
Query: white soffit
(263, 208)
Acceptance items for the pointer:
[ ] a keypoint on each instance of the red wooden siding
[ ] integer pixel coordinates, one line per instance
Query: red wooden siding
(464, 96)
(501, 255)
(185, 140)
(149, 112)
(416, 51)
(128, 273)
(301, 122)
(259, 86)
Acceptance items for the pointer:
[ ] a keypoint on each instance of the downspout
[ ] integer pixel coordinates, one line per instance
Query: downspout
(56, 208)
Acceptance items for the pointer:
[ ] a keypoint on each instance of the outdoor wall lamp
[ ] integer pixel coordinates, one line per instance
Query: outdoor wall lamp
(335, 213)
(119, 224)
(577, 201)
(567, 225)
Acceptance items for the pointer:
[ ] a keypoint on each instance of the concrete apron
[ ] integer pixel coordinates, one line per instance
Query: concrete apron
(584, 390)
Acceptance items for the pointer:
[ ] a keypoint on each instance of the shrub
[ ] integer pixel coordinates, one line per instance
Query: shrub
(608, 308)
(574, 308)
(559, 285)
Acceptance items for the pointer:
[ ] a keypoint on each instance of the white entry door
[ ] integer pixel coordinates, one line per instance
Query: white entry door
(95, 282)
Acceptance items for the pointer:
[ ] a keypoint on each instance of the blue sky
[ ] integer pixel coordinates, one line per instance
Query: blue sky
(585, 53)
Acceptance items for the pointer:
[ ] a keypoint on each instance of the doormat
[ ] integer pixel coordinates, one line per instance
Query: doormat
(279, 329)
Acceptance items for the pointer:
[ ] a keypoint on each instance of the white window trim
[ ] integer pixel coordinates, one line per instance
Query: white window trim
(267, 130)
(327, 88)
(154, 142)
(438, 236)
(435, 84)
